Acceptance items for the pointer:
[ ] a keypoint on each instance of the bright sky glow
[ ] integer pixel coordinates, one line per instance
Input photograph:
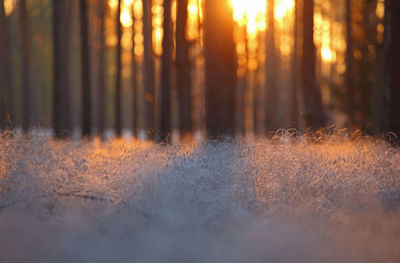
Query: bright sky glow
(253, 13)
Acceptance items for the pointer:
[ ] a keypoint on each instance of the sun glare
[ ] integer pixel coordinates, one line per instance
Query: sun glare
(283, 8)
(9, 6)
(253, 13)
(250, 12)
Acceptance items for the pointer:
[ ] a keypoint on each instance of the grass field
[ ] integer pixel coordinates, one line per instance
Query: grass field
(333, 198)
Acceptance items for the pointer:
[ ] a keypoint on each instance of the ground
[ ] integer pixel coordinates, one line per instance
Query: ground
(319, 198)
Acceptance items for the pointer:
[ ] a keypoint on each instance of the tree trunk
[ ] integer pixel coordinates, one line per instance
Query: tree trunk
(314, 112)
(85, 60)
(392, 56)
(5, 71)
(148, 73)
(351, 101)
(101, 75)
(118, 119)
(220, 69)
(294, 104)
(166, 59)
(183, 69)
(134, 78)
(61, 116)
(272, 96)
(26, 85)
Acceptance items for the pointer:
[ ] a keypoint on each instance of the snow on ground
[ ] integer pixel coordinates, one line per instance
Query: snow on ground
(279, 200)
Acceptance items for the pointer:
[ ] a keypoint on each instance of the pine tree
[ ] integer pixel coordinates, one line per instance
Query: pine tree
(271, 105)
(118, 117)
(5, 67)
(314, 112)
(183, 69)
(220, 69)
(148, 73)
(167, 45)
(85, 62)
(101, 75)
(392, 56)
(351, 102)
(26, 79)
(61, 116)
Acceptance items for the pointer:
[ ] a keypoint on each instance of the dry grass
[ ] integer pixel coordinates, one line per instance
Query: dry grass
(305, 199)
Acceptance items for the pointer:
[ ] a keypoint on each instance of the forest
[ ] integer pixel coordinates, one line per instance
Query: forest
(197, 69)
(199, 131)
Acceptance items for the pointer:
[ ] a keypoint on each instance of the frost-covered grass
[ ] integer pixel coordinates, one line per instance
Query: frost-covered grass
(279, 200)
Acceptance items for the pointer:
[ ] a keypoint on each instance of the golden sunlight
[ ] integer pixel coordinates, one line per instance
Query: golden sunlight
(250, 12)
(253, 13)
(283, 8)
(9, 6)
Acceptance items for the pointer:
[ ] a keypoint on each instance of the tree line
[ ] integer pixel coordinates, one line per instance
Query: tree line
(153, 106)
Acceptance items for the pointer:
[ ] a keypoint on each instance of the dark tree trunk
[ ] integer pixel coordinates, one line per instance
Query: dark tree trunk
(220, 69)
(61, 116)
(148, 74)
(85, 60)
(134, 79)
(294, 104)
(351, 101)
(271, 105)
(118, 119)
(5, 71)
(101, 75)
(166, 63)
(183, 69)
(26, 85)
(314, 112)
(392, 55)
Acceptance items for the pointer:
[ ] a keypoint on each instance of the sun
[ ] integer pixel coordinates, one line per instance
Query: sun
(253, 12)
(250, 12)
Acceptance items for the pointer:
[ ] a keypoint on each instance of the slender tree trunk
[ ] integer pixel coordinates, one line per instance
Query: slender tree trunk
(101, 75)
(379, 91)
(314, 112)
(248, 98)
(148, 74)
(392, 56)
(349, 65)
(67, 93)
(61, 116)
(85, 60)
(220, 69)
(118, 119)
(134, 78)
(167, 45)
(294, 104)
(183, 69)
(26, 85)
(5, 71)
(271, 105)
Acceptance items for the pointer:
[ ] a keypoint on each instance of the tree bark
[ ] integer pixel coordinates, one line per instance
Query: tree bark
(271, 105)
(61, 116)
(5, 71)
(118, 118)
(134, 78)
(148, 74)
(392, 63)
(166, 63)
(351, 101)
(294, 104)
(85, 62)
(101, 75)
(183, 69)
(26, 85)
(314, 112)
(220, 69)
